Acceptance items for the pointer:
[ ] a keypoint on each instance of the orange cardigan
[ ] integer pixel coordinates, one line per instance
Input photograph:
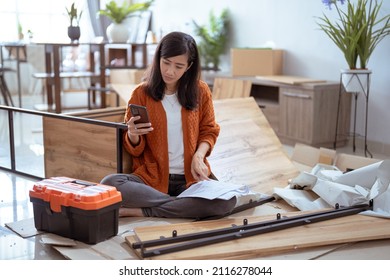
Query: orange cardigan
(150, 156)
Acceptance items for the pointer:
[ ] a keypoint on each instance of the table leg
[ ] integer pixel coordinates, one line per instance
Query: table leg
(144, 56)
(49, 84)
(102, 75)
(56, 78)
(18, 76)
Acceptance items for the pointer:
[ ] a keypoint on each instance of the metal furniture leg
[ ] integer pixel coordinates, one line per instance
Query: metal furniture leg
(4, 90)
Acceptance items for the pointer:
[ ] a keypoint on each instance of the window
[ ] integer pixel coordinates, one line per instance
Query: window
(46, 19)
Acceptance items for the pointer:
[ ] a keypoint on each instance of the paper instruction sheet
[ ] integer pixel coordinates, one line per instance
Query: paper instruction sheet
(213, 189)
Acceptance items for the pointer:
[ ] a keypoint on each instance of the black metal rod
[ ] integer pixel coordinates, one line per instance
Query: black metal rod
(234, 228)
(251, 204)
(226, 234)
(11, 139)
(65, 117)
(366, 151)
(185, 237)
(241, 208)
(119, 150)
(338, 113)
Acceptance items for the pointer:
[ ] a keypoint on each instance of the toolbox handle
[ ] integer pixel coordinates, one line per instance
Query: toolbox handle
(84, 183)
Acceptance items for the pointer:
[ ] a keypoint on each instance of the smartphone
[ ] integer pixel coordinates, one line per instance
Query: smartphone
(138, 110)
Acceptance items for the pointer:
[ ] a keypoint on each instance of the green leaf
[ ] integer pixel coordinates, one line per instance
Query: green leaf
(118, 13)
(357, 31)
(213, 37)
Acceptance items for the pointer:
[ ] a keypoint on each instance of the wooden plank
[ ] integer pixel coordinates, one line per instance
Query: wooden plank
(236, 109)
(231, 88)
(247, 150)
(341, 230)
(292, 80)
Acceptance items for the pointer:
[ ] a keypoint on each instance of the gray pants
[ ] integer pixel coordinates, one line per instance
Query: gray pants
(136, 194)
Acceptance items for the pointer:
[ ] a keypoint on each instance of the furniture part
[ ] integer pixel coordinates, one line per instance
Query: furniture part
(309, 115)
(231, 88)
(87, 151)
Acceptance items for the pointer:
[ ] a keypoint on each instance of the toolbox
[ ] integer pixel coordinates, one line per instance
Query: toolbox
(81, 210)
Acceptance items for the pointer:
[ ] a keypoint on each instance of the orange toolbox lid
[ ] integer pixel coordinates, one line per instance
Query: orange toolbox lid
(69, 192)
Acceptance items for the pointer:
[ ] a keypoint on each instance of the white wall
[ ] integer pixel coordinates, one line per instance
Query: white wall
(291, 25)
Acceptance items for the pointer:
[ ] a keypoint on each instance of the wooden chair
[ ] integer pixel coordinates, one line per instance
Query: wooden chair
(231, 88)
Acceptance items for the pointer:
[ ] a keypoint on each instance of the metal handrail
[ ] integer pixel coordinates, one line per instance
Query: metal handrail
(11, 110)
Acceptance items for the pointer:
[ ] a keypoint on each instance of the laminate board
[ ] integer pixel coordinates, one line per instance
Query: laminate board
(247, 150)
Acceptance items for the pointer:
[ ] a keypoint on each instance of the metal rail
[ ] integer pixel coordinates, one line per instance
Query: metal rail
(11, 110)
(194, 240)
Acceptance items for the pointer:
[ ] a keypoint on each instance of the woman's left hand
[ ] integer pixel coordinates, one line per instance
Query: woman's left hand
(198, 168)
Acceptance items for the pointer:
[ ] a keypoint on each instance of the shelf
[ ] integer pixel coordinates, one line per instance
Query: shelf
(128, 55)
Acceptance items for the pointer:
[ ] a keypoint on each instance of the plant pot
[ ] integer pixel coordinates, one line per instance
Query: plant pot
(357, 80)
(74, 33)
(118, 32)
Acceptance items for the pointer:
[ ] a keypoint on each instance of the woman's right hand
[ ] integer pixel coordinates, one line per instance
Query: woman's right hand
(135, 130)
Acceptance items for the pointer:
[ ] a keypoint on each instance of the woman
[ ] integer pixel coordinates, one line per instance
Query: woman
(169, 153)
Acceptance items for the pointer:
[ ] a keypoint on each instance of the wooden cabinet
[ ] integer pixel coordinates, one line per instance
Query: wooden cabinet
(300, 110)
(304, 113)
(296, 112)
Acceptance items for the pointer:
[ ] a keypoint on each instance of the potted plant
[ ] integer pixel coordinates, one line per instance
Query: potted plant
(213, 39)
(118, 30)
(357, 32)
(74, 22)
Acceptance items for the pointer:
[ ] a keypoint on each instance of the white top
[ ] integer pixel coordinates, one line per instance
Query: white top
(175, 134)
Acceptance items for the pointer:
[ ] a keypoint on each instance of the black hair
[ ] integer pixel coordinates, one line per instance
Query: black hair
(174, 44)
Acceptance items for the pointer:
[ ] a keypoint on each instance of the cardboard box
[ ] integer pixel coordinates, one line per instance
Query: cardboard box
(256, 62)
(306, 157)
(80, 210)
